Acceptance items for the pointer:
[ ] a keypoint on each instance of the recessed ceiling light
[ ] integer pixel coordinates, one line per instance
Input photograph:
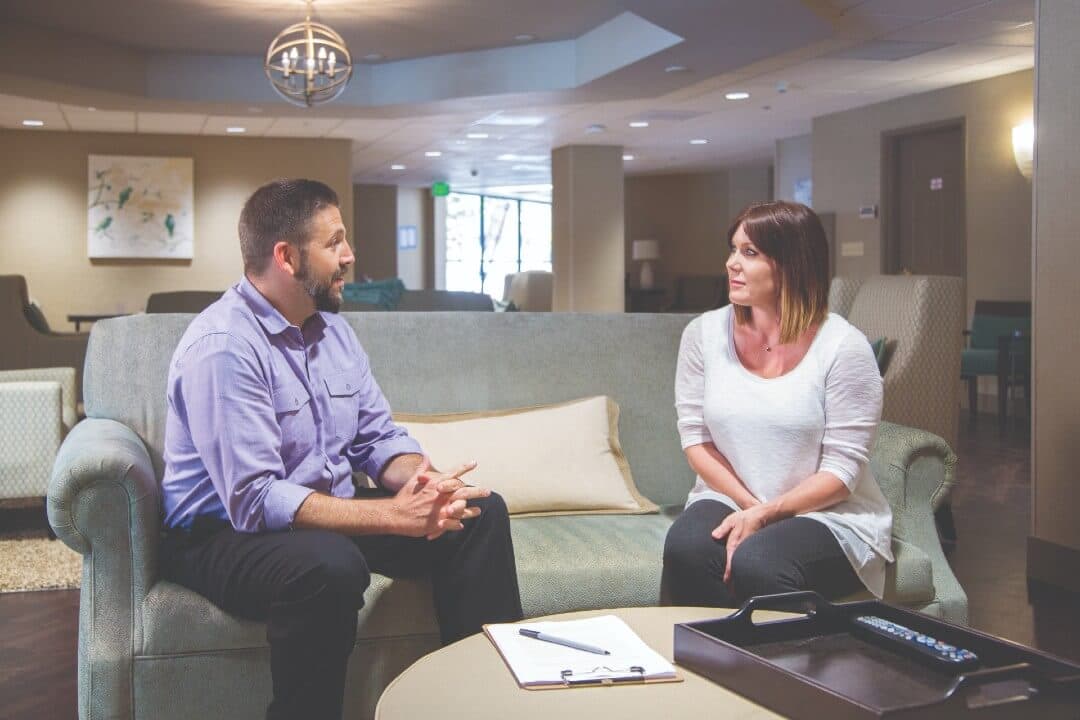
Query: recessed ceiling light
(476, 136)
(91, 109)
(740, 95)
(514, 157)
(33, 123)
(395, 166)
(433, 153)
(627, 157)
(498, 118)
(461, 142)
(525, 37)
(639, 124)
(676, 69)
(373, 57)
(699, 141)
(235, 130)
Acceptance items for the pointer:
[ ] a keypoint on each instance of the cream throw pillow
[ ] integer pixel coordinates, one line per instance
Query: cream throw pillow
(559, 459)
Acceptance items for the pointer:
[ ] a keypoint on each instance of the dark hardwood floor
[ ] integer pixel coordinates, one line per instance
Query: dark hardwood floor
(991, 508)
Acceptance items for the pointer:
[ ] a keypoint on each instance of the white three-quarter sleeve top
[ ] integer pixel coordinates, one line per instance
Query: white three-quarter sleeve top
(819, 417)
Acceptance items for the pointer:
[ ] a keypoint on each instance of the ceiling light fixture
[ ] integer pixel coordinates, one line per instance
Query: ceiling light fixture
(476, 136)
(395, 166)
(308, 63)
(639, 124)
(676, 69)
(699, 141)
(33, 123)
(627, 157)
(235, 130)
(433, 153)
(740, 95)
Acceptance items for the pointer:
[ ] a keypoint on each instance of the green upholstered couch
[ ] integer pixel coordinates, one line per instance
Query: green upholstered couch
(151, 649)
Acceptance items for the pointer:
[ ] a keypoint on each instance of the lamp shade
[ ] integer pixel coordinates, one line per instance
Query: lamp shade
(645, 250)
(1023, 141)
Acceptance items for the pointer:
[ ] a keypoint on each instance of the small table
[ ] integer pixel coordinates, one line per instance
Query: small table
(470, 679)
(79, 319)
(645, 300)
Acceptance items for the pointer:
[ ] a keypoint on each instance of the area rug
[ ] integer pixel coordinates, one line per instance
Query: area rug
(32, 562)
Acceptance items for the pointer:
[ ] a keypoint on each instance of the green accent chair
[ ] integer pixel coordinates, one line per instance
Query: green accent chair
(999, 344)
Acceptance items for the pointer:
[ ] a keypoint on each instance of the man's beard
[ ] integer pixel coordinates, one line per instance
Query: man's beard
(322, 291)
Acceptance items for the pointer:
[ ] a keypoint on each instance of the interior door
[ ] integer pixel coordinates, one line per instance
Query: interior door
(927, 202)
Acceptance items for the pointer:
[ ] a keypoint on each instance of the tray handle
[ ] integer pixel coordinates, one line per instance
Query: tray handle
(966, 687)
(805, 601)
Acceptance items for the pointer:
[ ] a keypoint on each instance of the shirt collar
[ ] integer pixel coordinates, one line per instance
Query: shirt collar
(269, 317)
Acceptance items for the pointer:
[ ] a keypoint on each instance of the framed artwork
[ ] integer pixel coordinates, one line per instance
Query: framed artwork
(140, 207)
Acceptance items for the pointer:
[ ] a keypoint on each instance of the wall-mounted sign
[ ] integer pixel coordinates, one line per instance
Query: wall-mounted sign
(406, 237)
(867, 212)
(440, 189)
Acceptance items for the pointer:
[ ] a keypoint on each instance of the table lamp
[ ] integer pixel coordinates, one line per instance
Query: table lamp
(645, 251)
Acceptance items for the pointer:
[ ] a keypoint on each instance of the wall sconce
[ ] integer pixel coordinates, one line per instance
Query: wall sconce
(1023, 141)
(645, 251)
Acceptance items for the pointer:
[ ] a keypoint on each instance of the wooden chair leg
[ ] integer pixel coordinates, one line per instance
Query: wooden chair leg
(1003, 397)
(973, 398)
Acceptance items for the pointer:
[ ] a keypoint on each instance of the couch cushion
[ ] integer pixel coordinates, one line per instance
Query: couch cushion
(908, 581)
(178, 620)
(584, 562)
(561, 458)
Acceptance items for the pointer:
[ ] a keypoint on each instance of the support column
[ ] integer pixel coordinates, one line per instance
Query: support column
(1054, 545)
(587, 253)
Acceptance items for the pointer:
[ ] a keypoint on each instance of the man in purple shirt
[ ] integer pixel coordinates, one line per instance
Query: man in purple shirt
(272, 407)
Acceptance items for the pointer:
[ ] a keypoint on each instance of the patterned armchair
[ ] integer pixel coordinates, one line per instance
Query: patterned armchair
(37, 409)
(921, 317)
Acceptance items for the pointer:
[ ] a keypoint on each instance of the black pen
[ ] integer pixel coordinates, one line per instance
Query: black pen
(537, 635)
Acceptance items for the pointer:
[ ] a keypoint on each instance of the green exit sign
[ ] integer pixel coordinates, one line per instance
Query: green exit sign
(440, 189)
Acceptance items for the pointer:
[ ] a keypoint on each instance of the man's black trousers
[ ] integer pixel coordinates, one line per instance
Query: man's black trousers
(307, 585)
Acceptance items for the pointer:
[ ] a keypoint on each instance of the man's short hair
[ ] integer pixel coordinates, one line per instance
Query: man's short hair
(279, 210)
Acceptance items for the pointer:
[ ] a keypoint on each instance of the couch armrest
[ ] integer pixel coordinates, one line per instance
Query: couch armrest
(915, 471)
(30, 429)
(103, 503)
(897, 450)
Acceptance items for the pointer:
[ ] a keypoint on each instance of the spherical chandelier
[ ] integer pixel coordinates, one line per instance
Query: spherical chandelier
(308, 63)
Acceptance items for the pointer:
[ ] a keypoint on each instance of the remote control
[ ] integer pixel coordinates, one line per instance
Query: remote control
(943, 655)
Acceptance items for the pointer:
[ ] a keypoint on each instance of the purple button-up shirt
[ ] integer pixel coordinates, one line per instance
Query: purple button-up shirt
(262, 413)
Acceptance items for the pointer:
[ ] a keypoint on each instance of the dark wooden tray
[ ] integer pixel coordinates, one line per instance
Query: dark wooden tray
(814, 666)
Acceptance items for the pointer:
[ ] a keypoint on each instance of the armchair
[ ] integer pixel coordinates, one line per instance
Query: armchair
(999, 344)
(181, 301)
(28, 346)
(37, 409)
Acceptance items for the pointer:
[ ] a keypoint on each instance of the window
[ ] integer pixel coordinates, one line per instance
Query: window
(490, 237)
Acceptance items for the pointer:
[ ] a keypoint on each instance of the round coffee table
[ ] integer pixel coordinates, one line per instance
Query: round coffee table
(469, 679)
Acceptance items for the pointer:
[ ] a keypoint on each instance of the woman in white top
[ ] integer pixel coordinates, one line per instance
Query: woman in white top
(778, 403)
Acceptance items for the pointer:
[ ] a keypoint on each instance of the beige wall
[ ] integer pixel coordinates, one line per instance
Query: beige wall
(375, 230)
(1056, 453)
(410, 211)
(689, 214)
(43, 197)
(847, 174)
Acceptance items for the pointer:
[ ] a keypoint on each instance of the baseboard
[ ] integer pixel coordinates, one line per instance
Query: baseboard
(1053, 564)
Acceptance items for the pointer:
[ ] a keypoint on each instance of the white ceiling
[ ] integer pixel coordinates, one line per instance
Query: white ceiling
(963, 40)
